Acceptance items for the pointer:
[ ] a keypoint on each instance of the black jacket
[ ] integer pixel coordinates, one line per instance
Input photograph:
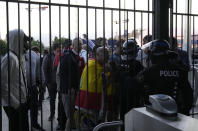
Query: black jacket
(169, 79)
(69, 72)
(48, 69)
(127, 94)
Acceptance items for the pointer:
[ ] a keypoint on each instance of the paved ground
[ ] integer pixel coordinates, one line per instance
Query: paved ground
(46, 124)
(46, 111)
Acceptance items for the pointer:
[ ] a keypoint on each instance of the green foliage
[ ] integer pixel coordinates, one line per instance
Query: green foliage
(60, 41)
(37, 44)
(3, 47)
(63, 41)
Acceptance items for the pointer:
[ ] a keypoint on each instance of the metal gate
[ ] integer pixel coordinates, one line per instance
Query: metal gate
(104, 20)
(184, 29)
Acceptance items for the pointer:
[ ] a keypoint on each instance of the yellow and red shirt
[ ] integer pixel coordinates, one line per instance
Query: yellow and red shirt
(91, 92)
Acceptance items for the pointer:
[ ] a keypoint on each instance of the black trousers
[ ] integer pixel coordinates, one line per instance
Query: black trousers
(52, 93)
(61, 112)
(41, 96)
(33, 93)
(18, 118)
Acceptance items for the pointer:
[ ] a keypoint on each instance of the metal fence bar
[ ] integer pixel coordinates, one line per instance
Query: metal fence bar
(182, 41)
(59, 10)
(153, 20)
(30, 62)
(176, 21)
(142, 36)
(20, 124)
(69, 33)
(0, 98)
(87, 41)
(7, 21)
(193, 63)
(104, 42)
(40, 73)
(79, 112)
(79, 57)
(8, 46)
(104, 92)
(184, 14)
(50, 50)
(134, 2)
(112, 44)
(80, 6)
(104, 9)
(148, 18)
(95, 24)
(87, 38)
(188, 30)
(127, 96)
(60, 115)
(96, 76)
(171, 24)
(120, 48)
(112, 53)
(190, 40)
(108, 125)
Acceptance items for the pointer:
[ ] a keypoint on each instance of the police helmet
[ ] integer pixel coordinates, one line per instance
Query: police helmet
(130, 50)
(159, 48)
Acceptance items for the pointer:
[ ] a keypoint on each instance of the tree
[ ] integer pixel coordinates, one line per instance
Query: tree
(37, 44)
(3, 47)
(63, 41)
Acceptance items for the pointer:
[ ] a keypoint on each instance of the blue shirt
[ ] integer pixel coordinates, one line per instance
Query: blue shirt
(35, 69)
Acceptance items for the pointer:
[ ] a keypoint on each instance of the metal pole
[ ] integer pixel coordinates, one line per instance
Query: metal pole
(50, 50)
(171, 23)
(20, 124)
(87, 38)
(161, 19)
(0, 98)
(187, 29)
(40, 62)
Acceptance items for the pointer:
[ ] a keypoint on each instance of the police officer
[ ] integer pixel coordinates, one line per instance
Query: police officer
(129, 68)
(164, 77)
(129, 64)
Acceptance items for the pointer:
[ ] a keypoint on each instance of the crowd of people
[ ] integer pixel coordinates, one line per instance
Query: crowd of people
(93, 84)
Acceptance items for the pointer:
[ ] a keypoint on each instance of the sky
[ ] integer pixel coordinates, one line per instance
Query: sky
(24, 22)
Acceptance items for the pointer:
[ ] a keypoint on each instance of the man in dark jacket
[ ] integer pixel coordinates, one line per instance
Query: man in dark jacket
(130, 67)
(70, 79)
(50, 77)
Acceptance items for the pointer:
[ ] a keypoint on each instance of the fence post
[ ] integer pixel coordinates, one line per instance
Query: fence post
(0, 98)
(161, 19)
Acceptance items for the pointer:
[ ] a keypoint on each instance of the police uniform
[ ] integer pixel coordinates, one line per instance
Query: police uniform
(167, 78)
(130, 67)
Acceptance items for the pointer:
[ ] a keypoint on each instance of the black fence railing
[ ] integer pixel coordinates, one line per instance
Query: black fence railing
(48, 6)
(184, 30)
(94, 91)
